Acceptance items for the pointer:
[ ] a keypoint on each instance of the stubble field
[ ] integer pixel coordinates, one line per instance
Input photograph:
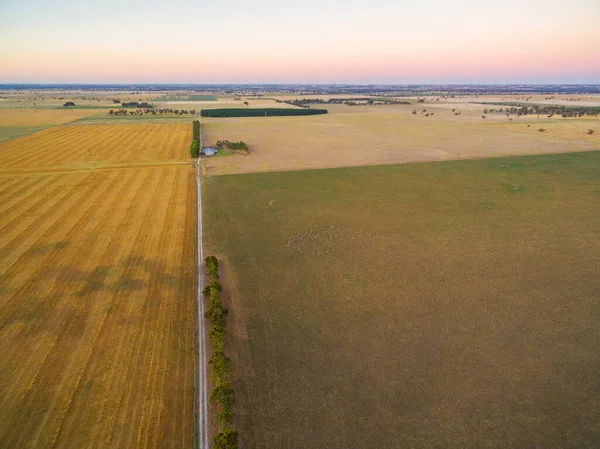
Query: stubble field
(16, 122)
(97, 275)
(448, 304)
(97, 146)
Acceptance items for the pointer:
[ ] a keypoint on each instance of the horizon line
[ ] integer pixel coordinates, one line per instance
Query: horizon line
(288, 84)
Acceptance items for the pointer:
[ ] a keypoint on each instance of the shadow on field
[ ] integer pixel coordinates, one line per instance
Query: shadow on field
(134, 273)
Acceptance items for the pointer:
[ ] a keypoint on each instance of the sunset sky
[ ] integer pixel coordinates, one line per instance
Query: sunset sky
(310, 41)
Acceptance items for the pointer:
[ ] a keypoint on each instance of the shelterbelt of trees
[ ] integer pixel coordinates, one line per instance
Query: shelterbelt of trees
(221, 395)
(195, 145)
(152, 112)
(260, 112)
(363, 101)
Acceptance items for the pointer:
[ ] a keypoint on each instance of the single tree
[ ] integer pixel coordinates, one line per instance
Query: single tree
(227, 439)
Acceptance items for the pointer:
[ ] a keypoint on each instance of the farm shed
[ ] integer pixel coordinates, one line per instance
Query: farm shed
(209, 151)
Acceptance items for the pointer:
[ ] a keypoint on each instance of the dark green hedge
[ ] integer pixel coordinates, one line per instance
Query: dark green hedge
(195, 145)
(259, 112)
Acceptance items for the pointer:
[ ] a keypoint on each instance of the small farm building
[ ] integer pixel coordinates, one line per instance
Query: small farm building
(209, 151)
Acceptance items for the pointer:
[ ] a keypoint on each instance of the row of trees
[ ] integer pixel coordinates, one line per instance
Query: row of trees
(241, 145)
(136, 104)
(222, 394)
(306, 102)
(549, 110)
(259, 112)
(152, 112)
(195, 145)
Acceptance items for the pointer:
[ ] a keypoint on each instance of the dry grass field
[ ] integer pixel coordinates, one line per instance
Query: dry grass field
(96, 146)
(351, 136)
(441, 305)
(97, 275)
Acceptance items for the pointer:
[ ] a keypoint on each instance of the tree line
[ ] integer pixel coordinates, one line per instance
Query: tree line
(222, 394)
(135, 104)
(152, 112)
(241, 145)
(259, 112)
(306, 102)
(519, 109)
(195, 145)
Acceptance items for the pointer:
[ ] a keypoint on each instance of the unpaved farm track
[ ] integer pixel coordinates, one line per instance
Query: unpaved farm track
(97, 313)
(202, 381)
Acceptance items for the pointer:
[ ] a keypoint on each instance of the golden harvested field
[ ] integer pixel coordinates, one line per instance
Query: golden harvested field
(352, 136)
(36, 117)
(97, 276)
(96, 146)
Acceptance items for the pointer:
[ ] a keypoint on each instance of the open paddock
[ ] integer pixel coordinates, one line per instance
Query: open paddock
(371, 135)
(439, 305)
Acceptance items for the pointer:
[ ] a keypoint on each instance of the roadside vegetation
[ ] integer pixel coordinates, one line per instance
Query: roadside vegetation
(221, 395)
(195, 145)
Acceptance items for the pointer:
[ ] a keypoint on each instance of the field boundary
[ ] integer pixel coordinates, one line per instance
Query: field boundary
(202, 383)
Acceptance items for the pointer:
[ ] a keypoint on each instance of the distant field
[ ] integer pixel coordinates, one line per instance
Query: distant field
(105, 119)
(187, 98)
(17, 122)
(96, 146)
(97, 276)
(12, 132)
(370, 135)
(202, 98)
(39, 117)
(450, 304)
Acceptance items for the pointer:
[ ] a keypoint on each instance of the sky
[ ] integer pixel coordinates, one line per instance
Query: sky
(309, 41)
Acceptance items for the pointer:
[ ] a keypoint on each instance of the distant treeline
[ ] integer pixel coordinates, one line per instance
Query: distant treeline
(135, 104)
(222, 394)
(538, 109)
(364, 101)
(152, 112)
(259, 112)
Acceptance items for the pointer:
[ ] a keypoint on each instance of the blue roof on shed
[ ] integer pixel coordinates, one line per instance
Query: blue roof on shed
(209, 151)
